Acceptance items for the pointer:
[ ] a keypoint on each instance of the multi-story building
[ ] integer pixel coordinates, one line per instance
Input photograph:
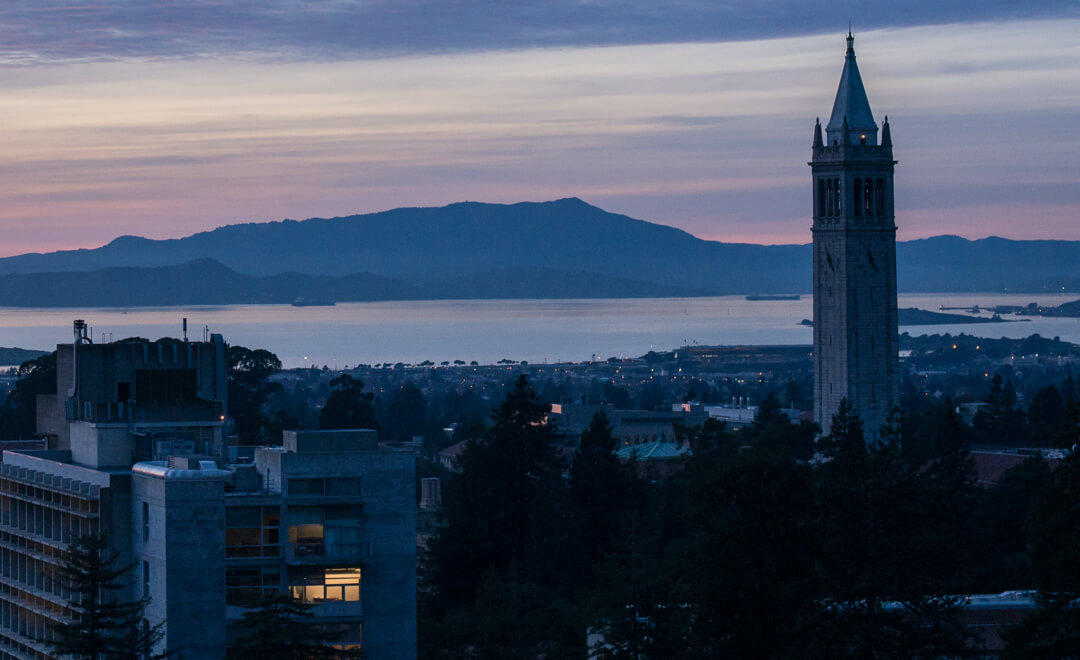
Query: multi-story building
(136, 449)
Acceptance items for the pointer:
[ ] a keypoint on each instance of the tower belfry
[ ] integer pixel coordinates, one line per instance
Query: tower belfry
(855, 335)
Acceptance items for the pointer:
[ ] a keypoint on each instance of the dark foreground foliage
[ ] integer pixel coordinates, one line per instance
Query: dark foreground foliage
(104, 626)
(764, 544)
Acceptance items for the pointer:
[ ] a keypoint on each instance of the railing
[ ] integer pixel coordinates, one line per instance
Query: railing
(322, 551)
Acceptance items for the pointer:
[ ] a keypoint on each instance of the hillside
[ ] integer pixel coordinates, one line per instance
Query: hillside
(529, 249)
(460, 241)
(208, 282)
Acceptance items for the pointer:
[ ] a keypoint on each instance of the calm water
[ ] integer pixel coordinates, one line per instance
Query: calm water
(489, 330)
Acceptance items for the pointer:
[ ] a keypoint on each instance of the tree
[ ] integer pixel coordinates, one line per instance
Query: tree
(406, 413)
(651, 396)
(1046, 414)
(845, 433)
(104, 625)
(489, 502)
(249, 373)
(37, 376)
(600, 489)
(1053, 631)
(1003, 422)
(502, 554)
(773, 431)
(282, 627)
(348, 406)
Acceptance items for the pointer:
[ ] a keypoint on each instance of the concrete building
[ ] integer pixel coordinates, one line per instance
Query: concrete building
(855, 315)
(136, 448)
(628, 427)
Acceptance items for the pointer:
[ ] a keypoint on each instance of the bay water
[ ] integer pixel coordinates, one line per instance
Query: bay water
(490, 330)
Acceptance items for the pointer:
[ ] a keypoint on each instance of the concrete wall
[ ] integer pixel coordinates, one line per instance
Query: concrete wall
(186, 557)
(101, 367)
(101, 445)
(389, 589)
(341, 441)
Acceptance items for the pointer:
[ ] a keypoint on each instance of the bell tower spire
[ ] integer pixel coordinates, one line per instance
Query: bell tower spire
(851, 104)
(855, 335)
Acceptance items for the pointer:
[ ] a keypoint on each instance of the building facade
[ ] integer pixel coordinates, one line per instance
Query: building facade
(856, 345)
(136, 448)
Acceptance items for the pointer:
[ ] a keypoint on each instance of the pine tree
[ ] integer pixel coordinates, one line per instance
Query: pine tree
(489, 503)
(846, 438)
(600, 489)
(104, 625)
(283, 628)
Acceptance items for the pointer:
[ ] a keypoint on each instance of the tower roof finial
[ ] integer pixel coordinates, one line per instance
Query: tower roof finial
(851, 102)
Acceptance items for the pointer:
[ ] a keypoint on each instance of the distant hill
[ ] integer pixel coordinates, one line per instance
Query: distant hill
(13, 357)
(461, 241)
(208, 282)
(528, 249)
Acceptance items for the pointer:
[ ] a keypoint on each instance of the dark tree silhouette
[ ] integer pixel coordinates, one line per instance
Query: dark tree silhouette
(105, 626)
(249, 373)
(348, 406)
(283, 628)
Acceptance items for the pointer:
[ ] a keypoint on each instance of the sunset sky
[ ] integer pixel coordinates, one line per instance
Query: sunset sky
(166, 118)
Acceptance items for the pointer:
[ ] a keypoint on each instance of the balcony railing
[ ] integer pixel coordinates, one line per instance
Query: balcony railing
(321, 552)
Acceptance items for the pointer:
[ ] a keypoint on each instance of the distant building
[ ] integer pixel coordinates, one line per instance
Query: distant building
(855, 314)
(629, 427)
(449, 456)
(135, 448)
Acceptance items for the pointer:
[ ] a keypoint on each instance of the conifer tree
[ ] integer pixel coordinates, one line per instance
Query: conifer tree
(283, 628)
(600, 488)
(104, 625)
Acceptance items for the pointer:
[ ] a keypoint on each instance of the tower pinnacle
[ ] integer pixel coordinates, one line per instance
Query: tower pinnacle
(851, 102)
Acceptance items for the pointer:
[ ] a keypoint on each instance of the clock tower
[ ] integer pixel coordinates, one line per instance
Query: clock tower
(855, 337)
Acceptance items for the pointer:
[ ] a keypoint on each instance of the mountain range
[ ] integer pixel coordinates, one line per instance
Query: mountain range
(560, 249)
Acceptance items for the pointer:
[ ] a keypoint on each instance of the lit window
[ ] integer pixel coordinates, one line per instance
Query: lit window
(331, 584)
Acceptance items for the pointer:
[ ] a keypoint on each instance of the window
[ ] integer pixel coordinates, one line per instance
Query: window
(331, 487)
(146, 579)
(880, 197)
(300, 487)
(246, 585)
(343, 487)
(334, 531)
(858, 194)
(145, 522)
(326, 585)
(868, 198)
(165, 385)
(252, 531)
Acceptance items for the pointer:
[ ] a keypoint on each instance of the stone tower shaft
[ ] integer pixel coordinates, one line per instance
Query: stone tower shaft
(855, 313)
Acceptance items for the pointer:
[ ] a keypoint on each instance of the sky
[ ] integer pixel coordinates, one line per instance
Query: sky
(162, 119)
